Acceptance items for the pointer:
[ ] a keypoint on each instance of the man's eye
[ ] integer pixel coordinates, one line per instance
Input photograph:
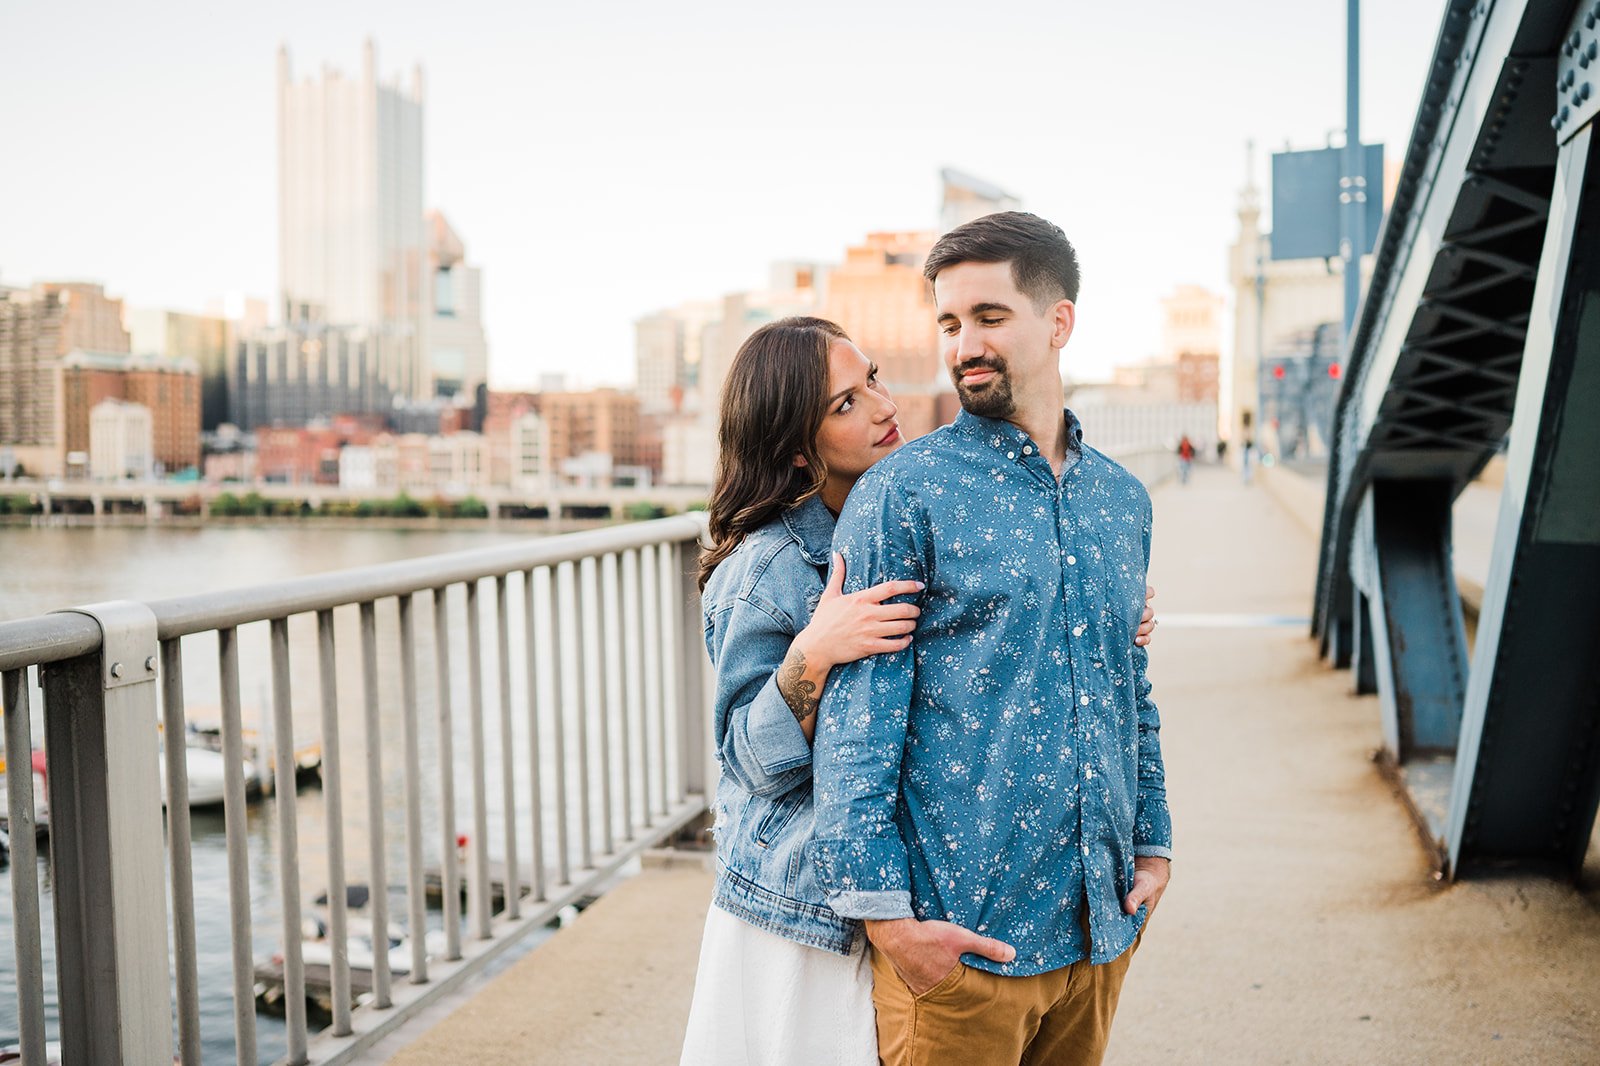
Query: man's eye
(947, 330)
(989, 321)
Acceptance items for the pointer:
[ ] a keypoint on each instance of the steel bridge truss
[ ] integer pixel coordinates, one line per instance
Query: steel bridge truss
(1480, 331)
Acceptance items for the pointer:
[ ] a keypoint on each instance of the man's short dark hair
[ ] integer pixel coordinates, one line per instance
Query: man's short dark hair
(1044, 266)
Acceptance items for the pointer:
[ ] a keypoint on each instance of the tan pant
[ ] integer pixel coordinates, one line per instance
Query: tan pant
(976, 1018)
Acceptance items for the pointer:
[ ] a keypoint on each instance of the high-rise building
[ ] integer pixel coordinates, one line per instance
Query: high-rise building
(205, 339)
(39, 326)
(301, 371)
(658, 361)
(351, 246)
(668, 355)
(966, 198)
(458, 353)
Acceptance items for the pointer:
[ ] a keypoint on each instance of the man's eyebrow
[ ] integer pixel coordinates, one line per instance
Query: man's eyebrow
(980, 308)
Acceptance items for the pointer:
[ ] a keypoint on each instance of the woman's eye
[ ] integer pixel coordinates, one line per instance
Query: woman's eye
(845, 407)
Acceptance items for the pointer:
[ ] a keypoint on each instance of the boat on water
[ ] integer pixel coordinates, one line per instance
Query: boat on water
(363, 943)
(204, 769)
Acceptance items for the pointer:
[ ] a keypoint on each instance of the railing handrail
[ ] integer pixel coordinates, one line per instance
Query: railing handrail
(617, 603)
(51, 638)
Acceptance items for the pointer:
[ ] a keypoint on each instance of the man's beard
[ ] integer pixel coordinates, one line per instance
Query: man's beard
(993, 398)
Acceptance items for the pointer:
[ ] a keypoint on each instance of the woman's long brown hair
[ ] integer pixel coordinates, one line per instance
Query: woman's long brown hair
(773, 403)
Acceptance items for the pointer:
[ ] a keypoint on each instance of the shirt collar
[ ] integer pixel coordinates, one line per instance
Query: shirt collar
(810, 523)
(1010, 441)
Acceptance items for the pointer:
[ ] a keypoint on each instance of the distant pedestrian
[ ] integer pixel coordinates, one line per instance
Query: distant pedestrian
(1245, 456)
(1185, 459)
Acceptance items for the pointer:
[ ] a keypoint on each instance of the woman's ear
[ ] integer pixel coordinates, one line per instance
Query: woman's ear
(800, 461)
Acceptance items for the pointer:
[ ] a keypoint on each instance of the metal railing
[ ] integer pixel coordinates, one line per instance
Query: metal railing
(599, 713)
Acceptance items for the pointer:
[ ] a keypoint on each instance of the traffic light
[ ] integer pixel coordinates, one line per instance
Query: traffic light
(1334, 372)
(1278, 372)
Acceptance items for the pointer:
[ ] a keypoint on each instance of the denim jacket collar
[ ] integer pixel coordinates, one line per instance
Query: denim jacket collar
(810, 523)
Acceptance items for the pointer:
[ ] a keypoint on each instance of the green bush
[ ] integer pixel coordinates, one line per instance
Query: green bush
(471, 507)
(642, 512)
(403, 506)
(226, 505)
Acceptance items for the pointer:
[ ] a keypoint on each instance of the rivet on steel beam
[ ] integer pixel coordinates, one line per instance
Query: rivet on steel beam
(116, 669)
(150, 663)
(1593, 51)
(1588, 21)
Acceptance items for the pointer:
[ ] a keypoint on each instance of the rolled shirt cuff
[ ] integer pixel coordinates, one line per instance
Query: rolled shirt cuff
(871, 906)
(1152, 851)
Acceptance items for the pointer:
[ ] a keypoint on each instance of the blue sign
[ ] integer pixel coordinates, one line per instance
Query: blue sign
(1305, 201)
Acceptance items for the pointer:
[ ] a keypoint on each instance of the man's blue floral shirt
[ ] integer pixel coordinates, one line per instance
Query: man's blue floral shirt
(1007, 766)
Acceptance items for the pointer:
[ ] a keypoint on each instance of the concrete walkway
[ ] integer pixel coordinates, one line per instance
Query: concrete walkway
(1302, 925)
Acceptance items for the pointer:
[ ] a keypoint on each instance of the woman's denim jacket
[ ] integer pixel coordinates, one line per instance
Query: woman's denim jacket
(754, 603)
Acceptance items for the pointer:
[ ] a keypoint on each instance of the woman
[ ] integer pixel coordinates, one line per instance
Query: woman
(803, 416)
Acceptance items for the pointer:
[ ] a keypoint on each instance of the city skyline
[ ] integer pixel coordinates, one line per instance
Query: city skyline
(606, 167)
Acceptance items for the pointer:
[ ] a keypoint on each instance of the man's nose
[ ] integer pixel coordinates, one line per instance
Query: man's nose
(969, 345)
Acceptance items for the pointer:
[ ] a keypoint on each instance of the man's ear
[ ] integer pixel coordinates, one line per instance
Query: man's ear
(800, 460)
(1063, 317)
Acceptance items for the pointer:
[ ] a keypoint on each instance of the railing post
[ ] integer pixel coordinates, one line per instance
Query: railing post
(106, 845)
(693, 745)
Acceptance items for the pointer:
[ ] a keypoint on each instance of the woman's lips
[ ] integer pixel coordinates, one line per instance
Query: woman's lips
(890, 437)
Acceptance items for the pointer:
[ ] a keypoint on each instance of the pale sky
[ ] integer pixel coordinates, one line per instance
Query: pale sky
(604, 160)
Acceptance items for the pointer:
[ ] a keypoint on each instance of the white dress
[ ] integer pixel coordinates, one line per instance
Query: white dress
(761, 1000)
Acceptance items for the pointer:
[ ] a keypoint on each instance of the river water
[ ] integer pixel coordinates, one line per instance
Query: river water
(47, 569)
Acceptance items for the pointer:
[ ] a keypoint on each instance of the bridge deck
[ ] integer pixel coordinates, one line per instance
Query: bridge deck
(1303, 924)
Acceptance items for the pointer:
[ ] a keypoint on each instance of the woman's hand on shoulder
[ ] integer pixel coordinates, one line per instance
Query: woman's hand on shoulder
(1147, 621)
(850, 626)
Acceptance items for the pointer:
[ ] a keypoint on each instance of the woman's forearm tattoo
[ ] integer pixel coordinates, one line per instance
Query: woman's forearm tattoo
(798, 692)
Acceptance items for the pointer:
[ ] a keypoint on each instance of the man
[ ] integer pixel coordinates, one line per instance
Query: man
(991, 802)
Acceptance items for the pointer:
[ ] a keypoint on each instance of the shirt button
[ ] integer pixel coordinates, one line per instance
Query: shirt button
(1011, 455)
(1084, 700)
(1072, 560)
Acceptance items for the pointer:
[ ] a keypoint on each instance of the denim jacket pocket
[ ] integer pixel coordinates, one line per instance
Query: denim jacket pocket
(778, 816)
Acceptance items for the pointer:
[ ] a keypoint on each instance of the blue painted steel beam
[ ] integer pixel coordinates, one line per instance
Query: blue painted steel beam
(1528, 766)
(1421, 615)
